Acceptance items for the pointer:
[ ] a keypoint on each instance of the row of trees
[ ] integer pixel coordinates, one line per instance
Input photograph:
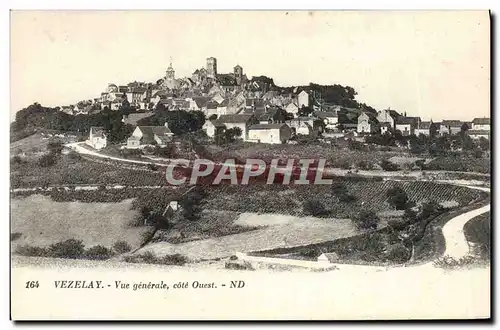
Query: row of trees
(433, 144)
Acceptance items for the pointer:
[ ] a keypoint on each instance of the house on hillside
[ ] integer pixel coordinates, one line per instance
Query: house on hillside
(330, 118)
(198, 103)
(97, 138)
(368, 123)
(269, 133)
(481, 124)
(425, 128)
(147, 135)
(388, 116)
(304, 126)
(407, 125)
(303, 99)
(242, 121)
(292, 108)
(452, 126)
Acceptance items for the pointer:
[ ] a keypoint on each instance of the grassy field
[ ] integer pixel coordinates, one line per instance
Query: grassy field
(31, 144)
(41, 222)
(478, 232)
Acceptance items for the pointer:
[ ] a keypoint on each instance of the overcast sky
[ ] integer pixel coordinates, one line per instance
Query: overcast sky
(429, 64)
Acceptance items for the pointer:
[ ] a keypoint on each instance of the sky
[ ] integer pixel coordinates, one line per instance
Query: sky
(435, 65)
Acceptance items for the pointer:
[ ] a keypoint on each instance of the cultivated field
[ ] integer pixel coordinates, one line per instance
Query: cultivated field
(370, 195)
(75, 170)
(41, 222)
(334, 155)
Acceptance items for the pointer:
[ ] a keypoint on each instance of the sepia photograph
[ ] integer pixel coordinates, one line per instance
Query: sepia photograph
(250, 165)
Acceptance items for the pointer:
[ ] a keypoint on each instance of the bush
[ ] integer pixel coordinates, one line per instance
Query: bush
(16, 160)
(389, 166)
(398, 253)
(98, 252)
(448, 262)
(365, 165)
(32, 251)
(70, 248)
(314, 208)
(397, 197)
(420, 163)
(366, 220)
(174, 259)
(121, 247)
(55, 147)
(148, 257)
(147, 236)
(47, 160)
(431, 208)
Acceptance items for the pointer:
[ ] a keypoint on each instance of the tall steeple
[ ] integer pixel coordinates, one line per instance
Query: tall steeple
(170, 71)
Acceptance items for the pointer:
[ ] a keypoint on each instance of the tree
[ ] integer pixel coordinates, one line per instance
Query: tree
(70, 248)
(227, 136)
(55, 147)
(314, 207)
(121, 247)
(47, 160)
(420, 163)
(340, 191)
(305, 111)
(484, 144)
(410, 216)
(98, 252)
(430, 208)
(366, 220)
(389, 166)
(191, 204)
(397, 197)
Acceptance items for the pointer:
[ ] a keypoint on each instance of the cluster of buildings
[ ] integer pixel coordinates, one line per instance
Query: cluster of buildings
(233, 100)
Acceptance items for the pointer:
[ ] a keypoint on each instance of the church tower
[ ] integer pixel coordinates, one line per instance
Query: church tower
(238, 74)
(170, 72)
(211, 67)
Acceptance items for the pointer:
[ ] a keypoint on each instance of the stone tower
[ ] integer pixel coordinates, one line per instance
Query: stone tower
(238, 74)
(170, 72)
(211, 67)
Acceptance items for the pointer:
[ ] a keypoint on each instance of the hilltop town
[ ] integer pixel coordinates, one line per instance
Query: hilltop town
(263, 111)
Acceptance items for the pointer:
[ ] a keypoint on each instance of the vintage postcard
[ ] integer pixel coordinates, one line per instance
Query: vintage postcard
(250, 165)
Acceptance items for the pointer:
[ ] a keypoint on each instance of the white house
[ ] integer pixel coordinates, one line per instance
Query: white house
(147, 135)
(367, 123)
(481, 124)
(407, 125)
(292, 108)
(97, 138)
(388, 116)
(303, 99)
(269, 133)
